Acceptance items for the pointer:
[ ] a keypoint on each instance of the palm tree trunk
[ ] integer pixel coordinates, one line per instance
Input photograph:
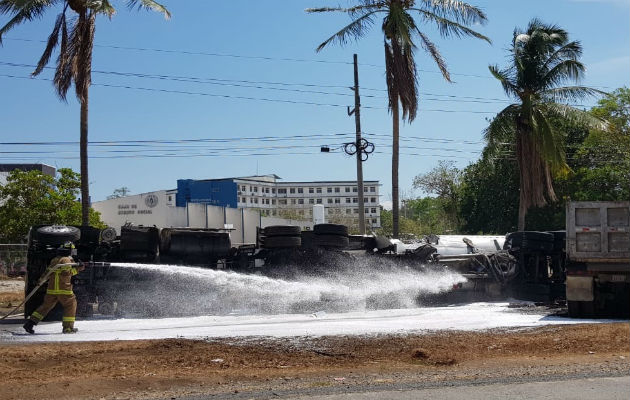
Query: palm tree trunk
(83, 144)
(395, 162)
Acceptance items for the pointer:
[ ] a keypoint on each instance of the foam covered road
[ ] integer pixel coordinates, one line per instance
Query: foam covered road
(469, 317)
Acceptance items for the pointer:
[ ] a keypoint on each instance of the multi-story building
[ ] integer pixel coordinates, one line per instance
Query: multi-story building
(5, 170)
(286, 199)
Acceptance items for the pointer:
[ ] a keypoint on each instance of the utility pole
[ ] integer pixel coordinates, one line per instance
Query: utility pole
(357, 121)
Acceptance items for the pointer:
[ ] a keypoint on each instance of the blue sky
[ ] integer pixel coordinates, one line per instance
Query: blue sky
(274, 41)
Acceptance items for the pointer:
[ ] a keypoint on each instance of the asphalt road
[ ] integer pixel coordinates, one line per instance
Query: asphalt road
(597, 388)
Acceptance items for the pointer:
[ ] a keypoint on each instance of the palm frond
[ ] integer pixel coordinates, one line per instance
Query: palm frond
(569, 94)
(448, 28)
(504, 76)
(102, 7)
(355, 30)
(432, 49)
(63, 72)
(149, 5)
(23, 10)
(502, 128)
(571, 51)
(53, 39)
(82, 40)
(575, 116)
(563, 71)
(550, 142)
(460, 11)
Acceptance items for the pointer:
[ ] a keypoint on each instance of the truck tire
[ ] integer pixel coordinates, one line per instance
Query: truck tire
(283, 230)
(330, 229)
(55, 235)
(276, 242)
(336, 241)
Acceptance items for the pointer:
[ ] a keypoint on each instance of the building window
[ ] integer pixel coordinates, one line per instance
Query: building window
(282, 191)
(256, 201)
(337, 200)
(347, 190)
(348, 200)
(330, 201)
(311, 201)
(282, 202)
(256, 189)
(373, 199)
(266, 190)
(319, 201)
(348, 210)
(273, 201)
(319, 190)
(170, 198)
(328, 190)
(244, 200)
(374, 211)
(311, 190)
(372, 189)
(273, 190)
(337, 190)
(354, 190)
(300, 201)
(292, 201)
(374, 220)
(300, 190)
(356, 210)
(292, 190)
(355, 200)
(365, 189)
(365, 199)
(243, 188)
(266, 201)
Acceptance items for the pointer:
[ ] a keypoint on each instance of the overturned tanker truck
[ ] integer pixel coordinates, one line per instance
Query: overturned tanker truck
(588, 264)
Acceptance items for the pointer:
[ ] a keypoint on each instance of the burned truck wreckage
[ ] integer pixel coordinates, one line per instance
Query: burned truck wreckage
(526, 265)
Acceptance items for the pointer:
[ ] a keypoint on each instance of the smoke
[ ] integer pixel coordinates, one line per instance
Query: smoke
(170, 290)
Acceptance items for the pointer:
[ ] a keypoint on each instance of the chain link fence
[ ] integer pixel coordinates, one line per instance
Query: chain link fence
(12, 259)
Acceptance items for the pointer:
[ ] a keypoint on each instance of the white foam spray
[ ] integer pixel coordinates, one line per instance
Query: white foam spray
(177, 290)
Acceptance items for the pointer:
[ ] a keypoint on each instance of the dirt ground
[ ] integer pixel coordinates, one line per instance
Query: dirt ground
(174, 368)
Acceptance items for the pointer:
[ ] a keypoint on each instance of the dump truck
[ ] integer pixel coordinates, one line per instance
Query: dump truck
(598, 258)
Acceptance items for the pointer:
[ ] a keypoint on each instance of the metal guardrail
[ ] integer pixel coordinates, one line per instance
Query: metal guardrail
(13, 259)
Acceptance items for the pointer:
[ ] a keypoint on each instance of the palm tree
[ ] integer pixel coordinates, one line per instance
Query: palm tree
(400, 29)
(542, 61)
(74, 63)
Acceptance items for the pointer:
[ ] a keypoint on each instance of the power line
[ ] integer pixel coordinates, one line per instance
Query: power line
(256, 85)
(243, 97)
(240, 56)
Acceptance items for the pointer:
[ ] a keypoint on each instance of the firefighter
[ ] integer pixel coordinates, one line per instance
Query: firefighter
(59, 290)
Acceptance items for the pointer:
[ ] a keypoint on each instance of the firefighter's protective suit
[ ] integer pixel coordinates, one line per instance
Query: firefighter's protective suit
(59, 290)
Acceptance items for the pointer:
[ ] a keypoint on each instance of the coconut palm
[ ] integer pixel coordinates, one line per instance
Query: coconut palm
(543, 60)
(401, 26)
(74, 62)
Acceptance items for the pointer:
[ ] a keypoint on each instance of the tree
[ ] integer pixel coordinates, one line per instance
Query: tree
(74, 63)
(400, 29)
(443, 181)
(542, 59)
(118, 193)
(33, 198)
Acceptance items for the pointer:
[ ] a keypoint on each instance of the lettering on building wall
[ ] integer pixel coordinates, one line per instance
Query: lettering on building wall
(130, 209)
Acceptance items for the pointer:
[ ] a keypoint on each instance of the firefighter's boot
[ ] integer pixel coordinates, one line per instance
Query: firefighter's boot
(28, 327)
(70, 330)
